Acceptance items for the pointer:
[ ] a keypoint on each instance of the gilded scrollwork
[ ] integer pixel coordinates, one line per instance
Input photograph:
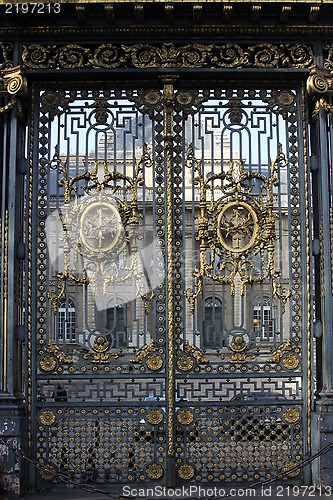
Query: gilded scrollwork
(98, 229)
(142, 353)
(319, 85)
(61, 356)
(194, 351)
(287, 354)
(168, 55)
(279, 352)
(236, 227)
(13, 84)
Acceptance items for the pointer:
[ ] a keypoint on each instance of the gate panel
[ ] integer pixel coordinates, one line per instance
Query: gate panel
(243, 362)
(100, 343)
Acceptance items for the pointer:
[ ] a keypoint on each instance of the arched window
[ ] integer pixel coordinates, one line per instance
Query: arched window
(66, 321)
(263, 321)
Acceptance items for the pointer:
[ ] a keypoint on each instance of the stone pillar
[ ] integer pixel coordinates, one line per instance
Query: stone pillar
(12, 87)
(320, 85)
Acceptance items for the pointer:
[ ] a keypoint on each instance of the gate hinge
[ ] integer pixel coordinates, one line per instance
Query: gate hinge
(317, 329)
(21, 250)
(22, 165)
(315, 246)
(313, 162)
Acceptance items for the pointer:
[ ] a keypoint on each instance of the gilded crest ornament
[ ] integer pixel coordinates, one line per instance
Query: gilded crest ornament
(99, 229)
(101, 346)
(47, 417)
(154, 471)
(236, 227)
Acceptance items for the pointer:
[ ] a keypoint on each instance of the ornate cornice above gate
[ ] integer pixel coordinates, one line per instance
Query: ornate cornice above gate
(168, 55)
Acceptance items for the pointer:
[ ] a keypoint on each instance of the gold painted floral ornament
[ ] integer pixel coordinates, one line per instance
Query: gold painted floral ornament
(185, 417)
(154, 471)
(186, 471)
(47, 472)
(47, 417)
(291, 466)
(291, 415)
(155, 416)
(154, 362)
(48, 363)
(185, 363)
(290, 361)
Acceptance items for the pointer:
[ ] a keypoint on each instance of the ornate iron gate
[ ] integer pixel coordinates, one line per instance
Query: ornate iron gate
(168, 282)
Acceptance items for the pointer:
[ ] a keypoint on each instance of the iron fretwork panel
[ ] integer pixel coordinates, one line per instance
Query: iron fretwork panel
(243, 349)
(100, 344)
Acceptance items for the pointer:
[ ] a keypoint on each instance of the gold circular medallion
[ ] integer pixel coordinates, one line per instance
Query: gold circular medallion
(290, 361)
(291, 415)
(186, 471)
(100, 226)
(154, 471)
(290, 466)
(237, 226)
(154, 416)
(154, 362)
(185, 417)
(185, 363)
(47, 417)
(47, 363)
(47, 472)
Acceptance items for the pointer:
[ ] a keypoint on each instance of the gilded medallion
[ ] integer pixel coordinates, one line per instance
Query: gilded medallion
(47, 472)
(237, 226)
(47, 417)
(185, 363)
(186, 471)
(48, 363)
(291, 415)
(154, 416)
(100, 226)
(154, 362)
(185, 417)
(154, 471)
(290, 361)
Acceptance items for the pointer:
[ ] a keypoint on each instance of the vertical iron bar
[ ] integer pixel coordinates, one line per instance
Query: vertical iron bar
(168, 146)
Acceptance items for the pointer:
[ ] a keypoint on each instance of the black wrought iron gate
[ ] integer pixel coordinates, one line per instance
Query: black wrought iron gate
(168, 281)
